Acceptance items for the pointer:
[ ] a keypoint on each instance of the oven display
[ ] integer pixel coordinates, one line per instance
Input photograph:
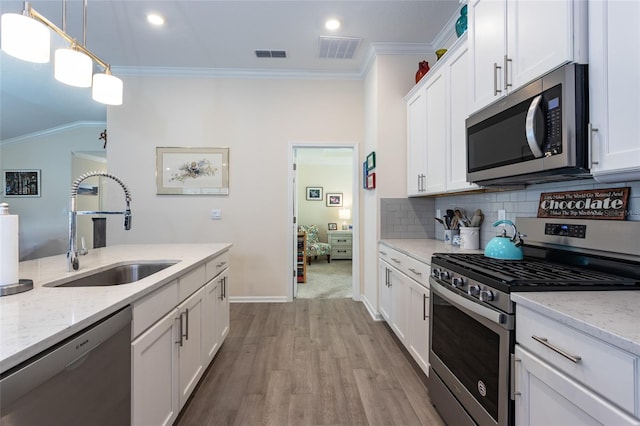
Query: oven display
(470, 351)
(565, 230)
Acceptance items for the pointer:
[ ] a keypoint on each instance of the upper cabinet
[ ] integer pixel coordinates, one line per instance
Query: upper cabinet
(614, 90)
(436, 132)
(512, 42)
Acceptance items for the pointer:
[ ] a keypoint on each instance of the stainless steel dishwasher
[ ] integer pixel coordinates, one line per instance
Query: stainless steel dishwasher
(84, 380)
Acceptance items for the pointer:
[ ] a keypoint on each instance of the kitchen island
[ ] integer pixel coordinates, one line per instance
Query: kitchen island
(38, 319)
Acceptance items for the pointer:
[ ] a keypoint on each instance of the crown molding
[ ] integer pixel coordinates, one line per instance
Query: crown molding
(53, 130)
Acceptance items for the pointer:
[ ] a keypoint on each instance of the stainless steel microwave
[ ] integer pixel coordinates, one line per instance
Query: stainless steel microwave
(536, 134)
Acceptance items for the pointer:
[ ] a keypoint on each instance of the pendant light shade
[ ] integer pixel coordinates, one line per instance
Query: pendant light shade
(107, 89)
(73, 68)
(25, 38)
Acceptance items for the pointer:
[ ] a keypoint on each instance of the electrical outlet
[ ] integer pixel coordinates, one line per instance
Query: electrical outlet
(502, 214)
(216, 214)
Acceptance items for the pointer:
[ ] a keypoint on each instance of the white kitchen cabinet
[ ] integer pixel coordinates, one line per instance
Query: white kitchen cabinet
(419, 324)
(441, 99)
(177, 330)
(546, 396)
(404, 301)
(564, 376)
(154, 374)
(513, 42)
(190, 346)
(614, 90)
(416, 142)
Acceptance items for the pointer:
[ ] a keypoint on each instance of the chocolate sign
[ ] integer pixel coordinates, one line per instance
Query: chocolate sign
(605, 203)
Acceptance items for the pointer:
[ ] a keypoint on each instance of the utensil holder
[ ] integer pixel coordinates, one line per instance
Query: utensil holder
(449, 234)
(469, 238)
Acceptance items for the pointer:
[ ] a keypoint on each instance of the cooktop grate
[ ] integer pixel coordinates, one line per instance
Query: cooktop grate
(535, 272)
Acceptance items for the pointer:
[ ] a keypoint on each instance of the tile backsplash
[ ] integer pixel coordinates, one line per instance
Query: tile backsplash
(523, 203)
(413, 217)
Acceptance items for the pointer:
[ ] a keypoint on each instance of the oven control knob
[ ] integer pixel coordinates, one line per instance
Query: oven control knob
(444, 275)
(486, 296)
(457, 282)
(435, 273)
(473, 290)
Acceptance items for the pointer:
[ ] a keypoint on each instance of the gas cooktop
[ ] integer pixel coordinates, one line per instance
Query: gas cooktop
(532, 274)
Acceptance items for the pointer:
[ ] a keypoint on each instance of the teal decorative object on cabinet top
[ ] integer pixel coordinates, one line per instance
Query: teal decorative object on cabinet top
(461, 23)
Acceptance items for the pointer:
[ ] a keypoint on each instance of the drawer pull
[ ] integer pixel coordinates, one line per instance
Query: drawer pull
(543, 340)
(395, 260)
(219, 265)
(384, 253)
(415, 272)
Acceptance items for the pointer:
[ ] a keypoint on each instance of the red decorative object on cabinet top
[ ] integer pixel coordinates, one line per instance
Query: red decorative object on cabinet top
(423, 68)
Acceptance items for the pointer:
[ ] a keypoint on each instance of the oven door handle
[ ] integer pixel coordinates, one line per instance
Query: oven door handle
(490, 314)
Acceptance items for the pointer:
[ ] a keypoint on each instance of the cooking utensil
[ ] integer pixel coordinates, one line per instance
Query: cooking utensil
(504, 247)
(461, 214)
(441, 222)
(449, 218)
(477, 219)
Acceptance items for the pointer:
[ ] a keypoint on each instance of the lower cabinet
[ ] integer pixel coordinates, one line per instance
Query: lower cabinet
(404, 301)
(566, 377)
(170, 353)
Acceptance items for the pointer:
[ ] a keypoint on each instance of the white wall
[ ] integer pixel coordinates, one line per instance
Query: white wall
(44, 220)
(256, 119)
(387, 82)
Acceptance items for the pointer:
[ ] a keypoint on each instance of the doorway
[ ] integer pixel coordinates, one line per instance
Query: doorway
(323, 191)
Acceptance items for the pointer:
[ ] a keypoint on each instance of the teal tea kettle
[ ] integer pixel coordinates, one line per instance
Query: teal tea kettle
(504, 247)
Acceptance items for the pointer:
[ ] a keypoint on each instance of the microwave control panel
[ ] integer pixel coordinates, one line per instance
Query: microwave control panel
(553, 136)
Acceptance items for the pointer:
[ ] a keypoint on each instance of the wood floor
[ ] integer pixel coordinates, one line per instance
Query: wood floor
(310, 362)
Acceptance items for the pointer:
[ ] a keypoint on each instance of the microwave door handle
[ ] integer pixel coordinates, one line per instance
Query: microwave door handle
(530, 126)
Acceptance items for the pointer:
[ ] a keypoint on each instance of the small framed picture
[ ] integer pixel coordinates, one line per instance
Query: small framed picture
(364, 175)
(371, 181)
(332, 226)
(21, 183)
(314, 193)
(334, 200)
(371, 161)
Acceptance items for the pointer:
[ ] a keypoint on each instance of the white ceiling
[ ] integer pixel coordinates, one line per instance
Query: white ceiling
(208, 37)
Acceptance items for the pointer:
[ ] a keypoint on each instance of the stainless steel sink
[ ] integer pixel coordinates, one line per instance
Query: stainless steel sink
(119, 274)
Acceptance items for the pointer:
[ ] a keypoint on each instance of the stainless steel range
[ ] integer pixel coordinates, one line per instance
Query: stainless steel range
(473, 318)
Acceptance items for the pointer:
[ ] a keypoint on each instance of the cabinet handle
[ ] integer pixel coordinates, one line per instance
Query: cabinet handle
(590, 132)
(506, 72)
(180, 333)
(221, 264)
(495, 79)
(224, 287)
(415, 272)
(424, 307)
(221, 289)
(543, 340)
(424, 183)
(384, 253)
(186, 335)
(388, 277)
(395, 260)
(514, 393)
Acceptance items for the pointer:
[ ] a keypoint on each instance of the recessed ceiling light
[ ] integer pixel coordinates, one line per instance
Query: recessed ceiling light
(155, 19)
(332, 24)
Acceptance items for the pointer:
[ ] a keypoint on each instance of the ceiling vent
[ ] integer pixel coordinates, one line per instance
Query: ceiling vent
(338, 47)
(271, 53)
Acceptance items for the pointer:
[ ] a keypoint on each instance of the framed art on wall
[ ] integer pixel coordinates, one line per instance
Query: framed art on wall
(371, 181)
(332, 226)
(314, 193)
(192, 171)
(21, 183)
(334, 200)
(371, 161)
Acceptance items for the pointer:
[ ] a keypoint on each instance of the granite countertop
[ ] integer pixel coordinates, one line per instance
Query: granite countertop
(611, 316)
(37, 319)
(423, 249)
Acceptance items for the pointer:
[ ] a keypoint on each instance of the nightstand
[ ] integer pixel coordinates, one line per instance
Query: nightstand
(341, 244)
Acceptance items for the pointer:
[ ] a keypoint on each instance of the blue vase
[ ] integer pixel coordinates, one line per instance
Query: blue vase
(461, 23)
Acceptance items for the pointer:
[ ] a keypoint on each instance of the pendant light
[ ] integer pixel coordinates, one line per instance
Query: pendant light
(27, 37)
(73, 67)
(107, 89)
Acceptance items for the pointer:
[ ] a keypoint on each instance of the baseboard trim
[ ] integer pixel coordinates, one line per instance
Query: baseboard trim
(372, 311)
(260, 299)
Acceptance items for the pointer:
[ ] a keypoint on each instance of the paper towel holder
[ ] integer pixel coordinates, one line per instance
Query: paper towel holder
(21, 285)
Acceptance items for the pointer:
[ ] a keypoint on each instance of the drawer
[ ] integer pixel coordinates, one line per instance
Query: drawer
(154, 306)
(607, 370)
(341, 253)
(216, 265)
(341, 241)
(191, 281)
(417, 270)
